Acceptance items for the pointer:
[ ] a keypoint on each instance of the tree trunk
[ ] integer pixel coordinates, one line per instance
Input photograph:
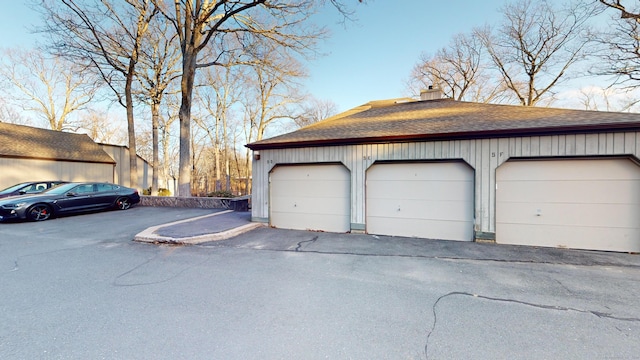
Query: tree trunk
(133, 158)
(155, 115)
(165, 160)
(248, 168)
(216, 147)
(227, 170)
(185, 164)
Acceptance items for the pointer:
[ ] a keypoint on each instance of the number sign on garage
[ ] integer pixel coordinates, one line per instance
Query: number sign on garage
(311, 197)
(573, 203)
(428, 200)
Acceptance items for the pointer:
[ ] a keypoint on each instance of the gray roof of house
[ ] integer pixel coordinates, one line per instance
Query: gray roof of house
(18, 141)
(442, 119)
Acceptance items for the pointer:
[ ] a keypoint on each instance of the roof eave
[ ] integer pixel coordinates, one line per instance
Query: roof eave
(464, 135)
(12, 156)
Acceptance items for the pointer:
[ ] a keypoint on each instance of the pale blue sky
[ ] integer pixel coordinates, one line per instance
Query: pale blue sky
(371, 59)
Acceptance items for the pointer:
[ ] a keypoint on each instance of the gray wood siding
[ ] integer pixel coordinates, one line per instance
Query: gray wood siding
(19, 170)
(483, 155)
(122, 170)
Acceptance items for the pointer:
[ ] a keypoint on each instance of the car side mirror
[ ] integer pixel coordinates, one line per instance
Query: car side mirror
(71, 194)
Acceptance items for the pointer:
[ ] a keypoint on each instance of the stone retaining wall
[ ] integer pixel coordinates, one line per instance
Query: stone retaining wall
(192, 202)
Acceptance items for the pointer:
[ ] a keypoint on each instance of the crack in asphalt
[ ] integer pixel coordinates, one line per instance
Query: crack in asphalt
(16, 262)
(116, 282)
(563, 285)
(298, 248)
(599, 314)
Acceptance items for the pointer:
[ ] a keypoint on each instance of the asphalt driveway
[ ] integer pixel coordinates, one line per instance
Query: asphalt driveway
(78, 287)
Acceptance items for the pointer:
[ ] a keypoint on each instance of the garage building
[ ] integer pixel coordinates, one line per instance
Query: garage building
(34, 154)
(453, 170)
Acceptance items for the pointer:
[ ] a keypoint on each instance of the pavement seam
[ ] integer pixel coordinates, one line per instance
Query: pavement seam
(299, 249)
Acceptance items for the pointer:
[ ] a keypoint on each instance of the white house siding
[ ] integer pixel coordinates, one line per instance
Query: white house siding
(483, 155)
(19, 170)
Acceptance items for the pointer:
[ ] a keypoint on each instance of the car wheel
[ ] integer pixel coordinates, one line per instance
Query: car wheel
(123, 203)
(39, 213)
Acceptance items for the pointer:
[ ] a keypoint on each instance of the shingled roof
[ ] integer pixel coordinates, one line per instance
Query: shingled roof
(442, 119)
(18, 141)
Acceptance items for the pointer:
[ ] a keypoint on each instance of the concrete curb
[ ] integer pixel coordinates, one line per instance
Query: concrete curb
(149, 235)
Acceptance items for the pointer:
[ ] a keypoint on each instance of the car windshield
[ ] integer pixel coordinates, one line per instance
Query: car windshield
(13, 188)
(61, 189)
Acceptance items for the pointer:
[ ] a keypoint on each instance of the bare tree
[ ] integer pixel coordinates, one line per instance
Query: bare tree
(167, 142)
(536, 46)
(620, 46)
(271, 98)
(459, 69)
(159, 59)
(314, 110)
(9, 115)
(224, 90)
(607, 99)
(52, 88)
(102, 128)
(108, 34)
(210, 25)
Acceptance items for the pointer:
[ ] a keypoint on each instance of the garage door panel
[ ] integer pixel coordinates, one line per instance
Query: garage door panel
(309, 205)
(448, 230)
(419, 172)
(317, 189)
(303, 221)
(416, 209)
(571, 170)
(428, 200)
(428, 190)
(308, 172)
(310, 197)
(612, 215)
(589, 238)
(628, 191)
(575, 203)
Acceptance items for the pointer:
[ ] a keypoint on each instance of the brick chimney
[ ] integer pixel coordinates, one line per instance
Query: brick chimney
(431, 94)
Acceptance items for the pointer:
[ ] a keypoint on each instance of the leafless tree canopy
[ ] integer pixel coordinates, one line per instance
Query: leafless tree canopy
(460, 70)
(53, 88)
(619, 44)
(520, 60)
(313, 110)
(625, 13)
(536, 46)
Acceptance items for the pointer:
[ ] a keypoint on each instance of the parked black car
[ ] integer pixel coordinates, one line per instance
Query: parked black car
(68, 198)
(32, 187)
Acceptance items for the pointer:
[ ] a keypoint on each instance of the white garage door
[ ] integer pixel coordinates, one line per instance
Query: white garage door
(311, 197)
(581, 204)
(426, 200)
